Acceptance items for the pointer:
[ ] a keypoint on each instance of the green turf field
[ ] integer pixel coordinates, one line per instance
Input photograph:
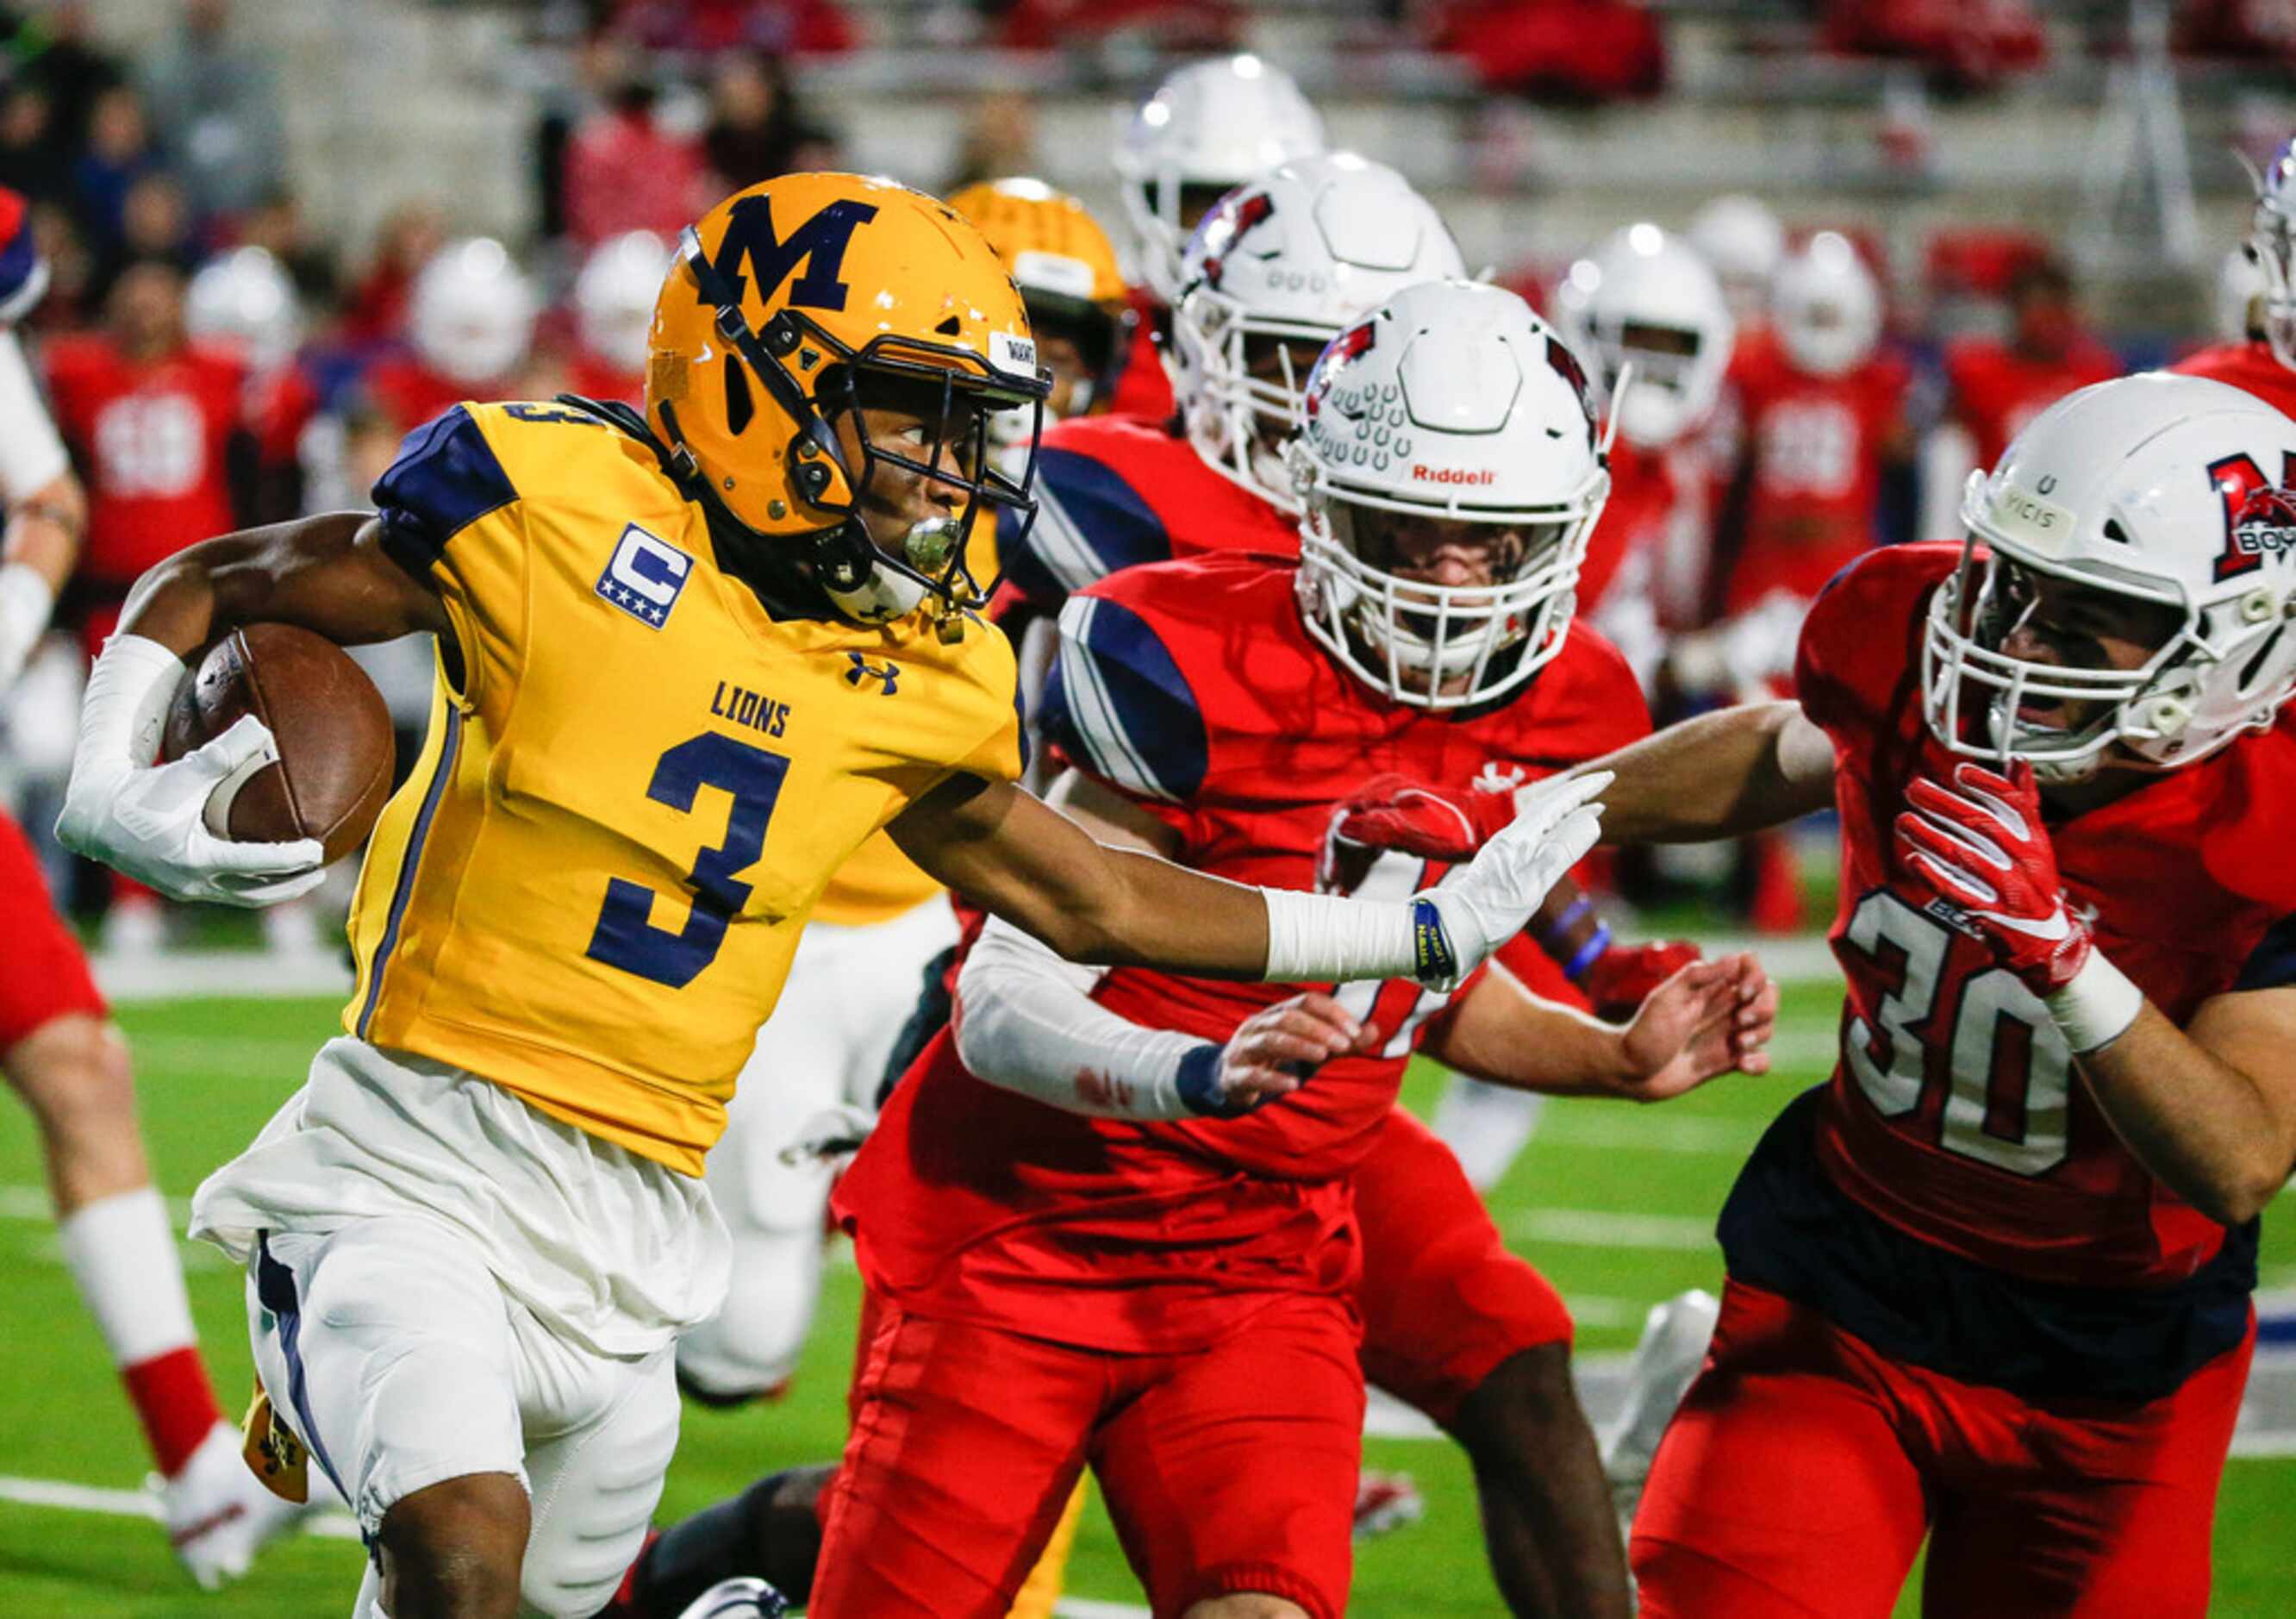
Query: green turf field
(211, 1072)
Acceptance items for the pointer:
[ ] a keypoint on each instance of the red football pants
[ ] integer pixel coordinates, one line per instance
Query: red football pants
(1804, 1468)
(44, 973)
(1226, 1470)
(1443, 1302)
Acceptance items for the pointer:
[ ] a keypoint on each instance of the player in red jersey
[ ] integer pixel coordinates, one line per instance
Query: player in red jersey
(470, 323)
(1644, 302)
(64, 1059)
(156, 424)
(1991, 1283)
(1998, 386)
(244, 303)
(2265, 363)
(1821, 415)
(151, 418)
(1208, 127)
(1120, 1257)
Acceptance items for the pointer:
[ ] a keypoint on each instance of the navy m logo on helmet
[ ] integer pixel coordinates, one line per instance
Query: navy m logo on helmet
(819, 244)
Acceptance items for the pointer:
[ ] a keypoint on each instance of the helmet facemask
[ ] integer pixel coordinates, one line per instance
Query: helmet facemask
(1428, 645)
(1241, 377)
(1975, 693)
(952, 390)
(1664, 401)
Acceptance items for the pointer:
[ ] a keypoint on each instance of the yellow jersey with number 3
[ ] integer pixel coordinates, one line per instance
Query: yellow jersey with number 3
(634, 793)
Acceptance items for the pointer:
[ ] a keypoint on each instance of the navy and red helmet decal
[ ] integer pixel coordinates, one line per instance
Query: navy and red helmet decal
(1228, 224)
(2259, 515)
(1354, 340)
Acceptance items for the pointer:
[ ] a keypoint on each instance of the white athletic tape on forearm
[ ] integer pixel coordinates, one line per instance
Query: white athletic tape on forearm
(1332, 939)
(2098, 1007)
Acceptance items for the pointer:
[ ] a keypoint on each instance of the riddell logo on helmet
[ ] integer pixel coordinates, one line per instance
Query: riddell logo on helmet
(1453, 475)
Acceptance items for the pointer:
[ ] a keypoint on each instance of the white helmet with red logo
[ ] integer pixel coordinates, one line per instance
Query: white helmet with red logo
(2155, 488)
(1453, 401)
(1827, 306)
(472, 311)
(1292, 257)
(1646, 299)
(1210, 126)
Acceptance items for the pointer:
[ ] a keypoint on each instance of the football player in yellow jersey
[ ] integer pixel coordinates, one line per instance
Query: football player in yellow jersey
(687, 664)
(881, 928)
(882, 920)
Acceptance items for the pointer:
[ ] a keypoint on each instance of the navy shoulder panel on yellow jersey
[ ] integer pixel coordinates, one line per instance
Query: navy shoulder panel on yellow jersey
(446, 478)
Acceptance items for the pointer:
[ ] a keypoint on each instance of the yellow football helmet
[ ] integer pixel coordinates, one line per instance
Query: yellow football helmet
(790, 304)
(1066, 269)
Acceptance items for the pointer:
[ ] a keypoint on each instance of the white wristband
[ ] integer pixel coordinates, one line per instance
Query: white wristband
(25, 600)
(2097, 1008)
(129, 690)
(1332, 939)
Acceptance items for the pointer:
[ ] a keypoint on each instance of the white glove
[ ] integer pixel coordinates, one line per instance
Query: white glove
(149, 820)
(1487, 902)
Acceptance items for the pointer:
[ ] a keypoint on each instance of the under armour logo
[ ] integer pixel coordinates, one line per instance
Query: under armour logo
(1494, 778)
(863, 670)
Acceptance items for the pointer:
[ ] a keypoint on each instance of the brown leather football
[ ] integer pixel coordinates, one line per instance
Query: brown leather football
(333, 732)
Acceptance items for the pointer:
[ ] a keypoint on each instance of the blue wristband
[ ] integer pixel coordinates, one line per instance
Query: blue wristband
(1199, 1082)
(1553, 931)
(1433, 960)
(1596, 943)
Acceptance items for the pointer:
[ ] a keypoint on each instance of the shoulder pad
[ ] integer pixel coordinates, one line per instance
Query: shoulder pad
(1118, 705)
(446, 478)
(1090, 523)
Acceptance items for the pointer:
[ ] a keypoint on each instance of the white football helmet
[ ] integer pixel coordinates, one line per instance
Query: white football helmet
(2274, 238)
(1744, 241)
(1647, 298)
(1826, 306)
(1299, 253)
(1452, 401)
(615, 294)
(1214, 124)
(471, 312)
(2158, 488)
(245, 297)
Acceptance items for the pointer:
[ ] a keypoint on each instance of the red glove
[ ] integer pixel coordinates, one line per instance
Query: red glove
(1616, 981)
(1396, 812)
(1981, 841)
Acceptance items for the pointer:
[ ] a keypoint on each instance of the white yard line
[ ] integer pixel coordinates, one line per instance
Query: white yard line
(30, 1202)
(1646, 1130)
(330, 1524)
(1604, 1228)
(255, 974)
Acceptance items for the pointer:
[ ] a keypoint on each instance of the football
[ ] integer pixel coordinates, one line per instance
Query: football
(332, 730)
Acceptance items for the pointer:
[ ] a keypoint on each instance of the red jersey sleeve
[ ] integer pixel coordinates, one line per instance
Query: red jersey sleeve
(1860, 648)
